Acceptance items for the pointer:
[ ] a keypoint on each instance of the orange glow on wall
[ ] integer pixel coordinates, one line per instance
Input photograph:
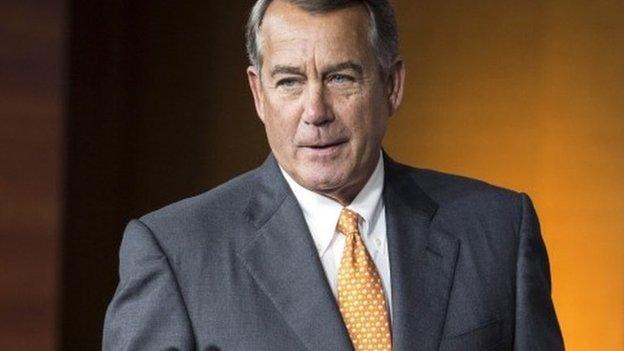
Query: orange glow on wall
(530, 96)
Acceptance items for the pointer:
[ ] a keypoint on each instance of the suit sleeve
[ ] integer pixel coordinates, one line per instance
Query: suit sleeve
(147, 311)
(536, 326)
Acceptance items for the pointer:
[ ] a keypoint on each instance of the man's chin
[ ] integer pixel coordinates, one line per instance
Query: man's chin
(322, 183)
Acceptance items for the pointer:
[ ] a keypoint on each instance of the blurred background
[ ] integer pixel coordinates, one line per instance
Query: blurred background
(110, 109)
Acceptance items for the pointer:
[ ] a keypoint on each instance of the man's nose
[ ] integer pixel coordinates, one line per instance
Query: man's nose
(317, 111)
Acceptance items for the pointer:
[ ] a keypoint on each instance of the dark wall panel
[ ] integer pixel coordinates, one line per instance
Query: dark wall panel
(158, 111)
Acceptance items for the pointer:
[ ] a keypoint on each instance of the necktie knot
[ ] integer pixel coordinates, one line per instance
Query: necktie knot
(348, 222)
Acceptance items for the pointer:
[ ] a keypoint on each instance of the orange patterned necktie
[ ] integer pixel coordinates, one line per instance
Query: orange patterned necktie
(360, 293)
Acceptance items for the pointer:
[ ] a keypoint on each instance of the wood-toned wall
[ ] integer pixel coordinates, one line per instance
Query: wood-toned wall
(31, 105)
(158, 110)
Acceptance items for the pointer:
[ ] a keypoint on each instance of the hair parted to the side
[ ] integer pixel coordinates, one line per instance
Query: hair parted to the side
(383, 33)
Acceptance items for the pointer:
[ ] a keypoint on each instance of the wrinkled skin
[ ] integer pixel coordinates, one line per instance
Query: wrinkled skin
(322, 98)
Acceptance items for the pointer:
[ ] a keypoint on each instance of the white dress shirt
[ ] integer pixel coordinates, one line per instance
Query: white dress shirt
(321, 214)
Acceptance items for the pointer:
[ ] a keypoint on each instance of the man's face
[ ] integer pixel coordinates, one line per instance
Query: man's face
(323, 102)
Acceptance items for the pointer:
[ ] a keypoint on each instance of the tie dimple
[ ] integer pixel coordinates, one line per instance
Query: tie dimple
(360, 292)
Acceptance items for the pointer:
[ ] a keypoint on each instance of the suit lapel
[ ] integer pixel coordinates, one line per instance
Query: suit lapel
(282, 258)
(422, 262)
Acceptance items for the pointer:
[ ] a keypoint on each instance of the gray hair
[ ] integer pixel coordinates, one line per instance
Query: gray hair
(383, 33)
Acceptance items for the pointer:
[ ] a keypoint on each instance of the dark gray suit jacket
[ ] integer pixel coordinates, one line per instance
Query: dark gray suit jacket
(235, 268)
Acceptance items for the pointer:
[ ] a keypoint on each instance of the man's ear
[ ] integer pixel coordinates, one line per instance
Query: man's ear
(253, 77)
(394, 85)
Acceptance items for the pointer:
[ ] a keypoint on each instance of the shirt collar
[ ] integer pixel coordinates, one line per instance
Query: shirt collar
(321, 213)
(368, 201)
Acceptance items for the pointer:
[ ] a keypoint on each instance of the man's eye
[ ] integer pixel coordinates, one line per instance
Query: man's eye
(341, 79)
(287, 83)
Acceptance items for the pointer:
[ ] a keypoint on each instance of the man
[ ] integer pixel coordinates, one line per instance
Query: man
(331, 245)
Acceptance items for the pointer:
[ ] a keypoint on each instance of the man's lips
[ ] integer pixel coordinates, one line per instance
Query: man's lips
(324, 145)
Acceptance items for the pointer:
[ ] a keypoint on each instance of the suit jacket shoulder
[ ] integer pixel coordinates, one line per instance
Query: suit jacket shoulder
(180, 227)
(466, 198)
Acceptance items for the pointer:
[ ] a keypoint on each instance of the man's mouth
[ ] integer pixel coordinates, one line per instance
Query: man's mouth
(325, 145)
(324, 149)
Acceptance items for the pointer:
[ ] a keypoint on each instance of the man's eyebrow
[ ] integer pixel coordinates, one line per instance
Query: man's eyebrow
(281, 69)
(345, 66)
